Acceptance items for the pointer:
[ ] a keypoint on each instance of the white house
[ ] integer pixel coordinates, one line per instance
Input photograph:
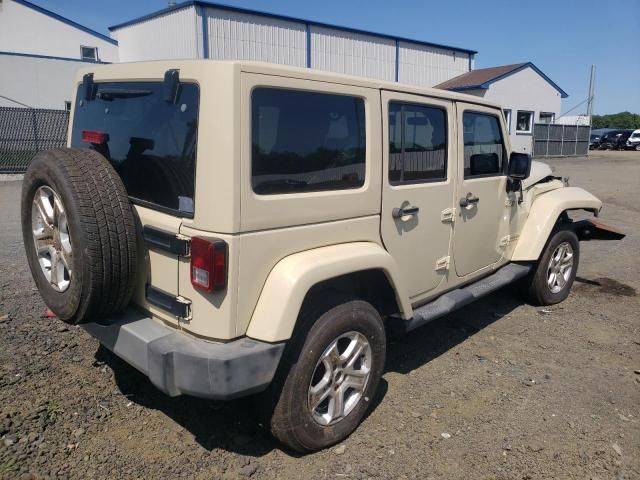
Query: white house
(198, 29)
(526, 94)
(40, 53)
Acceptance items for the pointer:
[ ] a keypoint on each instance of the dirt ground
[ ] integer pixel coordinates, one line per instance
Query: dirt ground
(499, 390)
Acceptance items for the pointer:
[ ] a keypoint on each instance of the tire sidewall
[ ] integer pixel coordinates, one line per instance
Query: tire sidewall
(66, 303)
(356, 316)
(560, 236)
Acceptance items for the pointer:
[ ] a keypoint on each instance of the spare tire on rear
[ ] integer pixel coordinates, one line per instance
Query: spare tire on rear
(79, 234)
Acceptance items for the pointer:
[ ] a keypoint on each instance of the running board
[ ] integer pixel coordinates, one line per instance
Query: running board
(460, 297)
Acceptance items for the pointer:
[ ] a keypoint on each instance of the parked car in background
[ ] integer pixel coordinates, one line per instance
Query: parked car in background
(594, 141)
(633, 142)
(614, 140)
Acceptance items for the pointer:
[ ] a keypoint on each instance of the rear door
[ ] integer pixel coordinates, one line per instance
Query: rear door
(418, 187)
(481, 193)
(151, 142)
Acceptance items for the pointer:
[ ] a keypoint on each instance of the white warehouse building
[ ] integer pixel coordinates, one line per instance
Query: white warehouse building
(40, 52)
(526, 94)
(196, 29)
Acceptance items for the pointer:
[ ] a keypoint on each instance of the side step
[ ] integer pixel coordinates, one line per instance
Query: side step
(460, 297)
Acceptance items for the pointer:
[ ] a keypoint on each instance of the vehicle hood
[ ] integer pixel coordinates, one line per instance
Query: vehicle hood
(539, 171)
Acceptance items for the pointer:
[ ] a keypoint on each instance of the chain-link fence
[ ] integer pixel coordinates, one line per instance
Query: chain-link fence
(554, 140)
(25, 131)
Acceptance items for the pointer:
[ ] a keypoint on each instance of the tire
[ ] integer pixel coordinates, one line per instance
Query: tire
(289, 416)
(542, 287)
(75, 200)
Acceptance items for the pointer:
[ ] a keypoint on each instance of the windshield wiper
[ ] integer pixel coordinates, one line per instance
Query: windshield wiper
(109, 94)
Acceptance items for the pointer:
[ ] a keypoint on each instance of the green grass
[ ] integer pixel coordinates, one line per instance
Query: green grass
(54, 410)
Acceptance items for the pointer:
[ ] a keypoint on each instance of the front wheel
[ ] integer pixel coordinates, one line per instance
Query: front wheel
(331, 375)
(554, 274)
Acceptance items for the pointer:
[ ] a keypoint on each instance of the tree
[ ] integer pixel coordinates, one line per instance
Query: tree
(616, 120)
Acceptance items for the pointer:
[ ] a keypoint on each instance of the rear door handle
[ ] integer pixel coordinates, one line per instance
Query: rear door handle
(470, 199)
(404, 212)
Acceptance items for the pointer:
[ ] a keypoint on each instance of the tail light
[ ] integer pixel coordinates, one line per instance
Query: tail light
(95, 137)
(208, 264)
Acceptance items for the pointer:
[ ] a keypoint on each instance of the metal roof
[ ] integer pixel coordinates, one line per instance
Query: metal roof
(65, 20)
(198, 3)
(483, 77)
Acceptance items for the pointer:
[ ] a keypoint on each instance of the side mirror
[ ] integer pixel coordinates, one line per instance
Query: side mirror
(519, 166)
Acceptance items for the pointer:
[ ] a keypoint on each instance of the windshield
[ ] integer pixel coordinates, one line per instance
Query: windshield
(150, 142)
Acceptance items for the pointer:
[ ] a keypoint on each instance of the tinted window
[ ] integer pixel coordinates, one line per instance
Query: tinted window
(484, 150)
(417, 143)
(150, 142)
(306, 141)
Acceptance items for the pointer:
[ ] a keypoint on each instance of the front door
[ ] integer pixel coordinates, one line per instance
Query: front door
(418, 187)
(481, 189)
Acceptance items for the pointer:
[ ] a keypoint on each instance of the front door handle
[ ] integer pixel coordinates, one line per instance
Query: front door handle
(470, 199)
(404, 212)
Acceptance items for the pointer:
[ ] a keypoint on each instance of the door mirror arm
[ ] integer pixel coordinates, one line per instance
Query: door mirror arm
(515, 185)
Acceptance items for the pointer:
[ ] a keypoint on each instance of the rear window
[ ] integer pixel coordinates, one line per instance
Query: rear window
(306, 141)
(150, 142)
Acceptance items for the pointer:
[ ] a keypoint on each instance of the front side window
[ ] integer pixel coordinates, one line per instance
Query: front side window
(417, 143)
(89, 54)
(305, 141)
(150, 142)
(484, 151)
(524, 122)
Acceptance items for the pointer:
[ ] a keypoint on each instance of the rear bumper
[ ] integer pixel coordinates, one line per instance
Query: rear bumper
(179, 364)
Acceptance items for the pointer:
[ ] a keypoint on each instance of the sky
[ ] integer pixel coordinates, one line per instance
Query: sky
(562, 37)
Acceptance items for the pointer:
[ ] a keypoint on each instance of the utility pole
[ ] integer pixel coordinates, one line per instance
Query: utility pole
(592, 85)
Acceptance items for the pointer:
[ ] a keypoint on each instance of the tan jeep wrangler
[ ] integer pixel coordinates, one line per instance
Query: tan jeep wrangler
(230, 228)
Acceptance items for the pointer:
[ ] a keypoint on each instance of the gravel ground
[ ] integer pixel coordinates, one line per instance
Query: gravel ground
(499, 390)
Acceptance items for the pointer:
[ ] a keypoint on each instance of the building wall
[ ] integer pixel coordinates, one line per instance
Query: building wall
(170, 36)
(424, 65)
(36, 82)
(220, 33)
(353, 53)
(524, 90)
(25, 30)
(241, 36)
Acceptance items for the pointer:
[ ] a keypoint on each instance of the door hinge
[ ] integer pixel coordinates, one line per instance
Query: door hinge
(174, 243)
(448, 215)
(186, 312)
(178, 306)
(443, 263)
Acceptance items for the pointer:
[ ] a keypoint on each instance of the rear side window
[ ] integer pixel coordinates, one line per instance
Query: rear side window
(417, 143)
(150, 142)
(484, 149)
(306, 141)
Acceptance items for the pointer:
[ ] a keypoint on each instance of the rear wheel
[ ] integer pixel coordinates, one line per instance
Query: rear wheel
(330, 375)
(554, 274)
(79, 234)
